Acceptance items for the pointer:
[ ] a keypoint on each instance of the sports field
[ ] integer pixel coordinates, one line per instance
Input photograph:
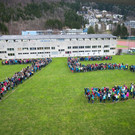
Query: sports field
(126, 43)
(52, 102)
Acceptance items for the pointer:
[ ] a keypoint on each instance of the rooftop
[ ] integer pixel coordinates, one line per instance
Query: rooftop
(18, 37)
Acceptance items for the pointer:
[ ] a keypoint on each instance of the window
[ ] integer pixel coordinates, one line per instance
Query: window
(53, 48)
(19, 53)
(39, 48)
(47, 52)
(87, 46)
(112, 48)
(40, 52)
(94, 46)
(106, 46)
(81, 47)
(19, 49)
(81, 51)
(99, 50)
(60, 39)
(33, 48)
(47, 48)
(94, 50)
(69, 47)
(11, 54)
(68, 52)
(10, 49)
(88, 51)
(99, 46)
(75, 47)
(25, 48)
(33, 53)
(25, 53)
(61, 50)
(3, 52)
(106, 50)
(75, 51)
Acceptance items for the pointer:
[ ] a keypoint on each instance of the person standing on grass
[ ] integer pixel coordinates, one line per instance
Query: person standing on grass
(104, 97)
(98, 95)
(113, 97)
(92, 98)
(1, 93)
(109, 96)
(134, 92)
(101, 97)
(132, 87)
(89, 97)
(127, 95)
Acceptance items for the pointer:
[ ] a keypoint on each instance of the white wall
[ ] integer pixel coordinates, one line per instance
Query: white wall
(58, 45)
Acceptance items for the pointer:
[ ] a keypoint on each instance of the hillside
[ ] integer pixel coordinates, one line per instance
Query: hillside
(18, 15)
(124, 2)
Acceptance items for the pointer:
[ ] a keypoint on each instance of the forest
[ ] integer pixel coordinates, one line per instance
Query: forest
(36, 9)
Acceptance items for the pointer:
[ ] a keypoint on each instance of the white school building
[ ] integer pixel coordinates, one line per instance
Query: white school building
(40, 46)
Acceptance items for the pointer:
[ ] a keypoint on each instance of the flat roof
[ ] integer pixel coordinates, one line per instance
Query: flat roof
(27, 37)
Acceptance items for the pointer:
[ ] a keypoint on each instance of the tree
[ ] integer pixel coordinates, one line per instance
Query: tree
(72, 20)
(96, 28)
(121, 31)
(117, 32)
(124, 31)
(91, 30)
(3, 28)
(53, 24)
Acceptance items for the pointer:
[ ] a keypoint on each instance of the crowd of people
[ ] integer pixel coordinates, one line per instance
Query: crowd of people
(75, 66)
(97, 58)
(24, 74)
(17, 61)
(115, 94)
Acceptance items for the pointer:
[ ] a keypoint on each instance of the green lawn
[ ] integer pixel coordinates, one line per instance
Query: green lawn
(122, 46)
(52, 102)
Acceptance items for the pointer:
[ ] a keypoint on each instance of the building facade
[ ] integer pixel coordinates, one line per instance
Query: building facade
(40, 46)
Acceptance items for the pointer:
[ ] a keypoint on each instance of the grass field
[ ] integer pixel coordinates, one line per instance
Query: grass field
(122, 46)
(52, 102)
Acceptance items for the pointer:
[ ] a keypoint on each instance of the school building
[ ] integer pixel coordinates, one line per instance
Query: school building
(40, 46)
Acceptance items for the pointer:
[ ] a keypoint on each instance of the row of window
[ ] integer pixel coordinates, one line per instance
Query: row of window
(87, 51)
(35, 48)
(34, 53)
(53, 48)
(60, 39)
(10, 49)
(3, 52)
(81, 47)
(11, 54)
(67, 52)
